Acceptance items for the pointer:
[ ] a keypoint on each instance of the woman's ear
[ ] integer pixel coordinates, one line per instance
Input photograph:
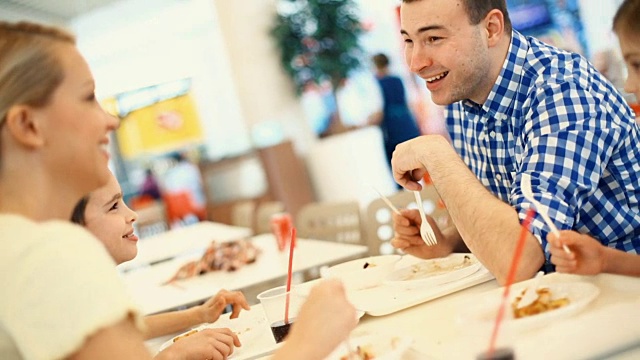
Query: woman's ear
(494, 26)
(22, 125)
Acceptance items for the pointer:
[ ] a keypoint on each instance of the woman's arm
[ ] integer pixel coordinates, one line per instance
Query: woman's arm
(120, 341)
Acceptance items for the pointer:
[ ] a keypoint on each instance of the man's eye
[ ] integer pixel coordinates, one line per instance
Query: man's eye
(114, 206)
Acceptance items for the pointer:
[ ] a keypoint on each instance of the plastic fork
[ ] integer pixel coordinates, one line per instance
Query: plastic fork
(531, 292)
(426, 232)
(387, 201)
(525, 186)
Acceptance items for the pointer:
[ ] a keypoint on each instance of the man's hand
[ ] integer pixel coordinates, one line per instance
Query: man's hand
(587, 255)
(214, 344)
(407, 236)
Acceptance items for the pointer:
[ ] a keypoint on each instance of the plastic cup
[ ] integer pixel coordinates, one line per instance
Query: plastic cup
(274, 302)
(281, 225)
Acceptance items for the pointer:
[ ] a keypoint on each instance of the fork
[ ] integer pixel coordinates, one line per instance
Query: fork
(531, 292)
(525, 186)
(386, 201)
(426, 232)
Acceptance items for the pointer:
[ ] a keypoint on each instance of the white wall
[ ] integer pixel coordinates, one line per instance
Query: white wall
(597, 17)
(12, 12)
(130, 45)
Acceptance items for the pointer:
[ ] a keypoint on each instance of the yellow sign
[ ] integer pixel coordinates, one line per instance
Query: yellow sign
(154, 120)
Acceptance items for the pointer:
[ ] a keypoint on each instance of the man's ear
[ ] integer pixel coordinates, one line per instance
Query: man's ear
(22, 124)
(494, 27)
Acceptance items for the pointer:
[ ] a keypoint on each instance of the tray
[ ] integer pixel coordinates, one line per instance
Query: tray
(387, 299)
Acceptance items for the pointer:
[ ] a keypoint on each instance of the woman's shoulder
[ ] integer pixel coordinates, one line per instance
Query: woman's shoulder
(28, 232)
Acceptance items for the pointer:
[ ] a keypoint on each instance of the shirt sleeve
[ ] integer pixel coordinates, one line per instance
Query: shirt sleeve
(65, 289)
(569, 137)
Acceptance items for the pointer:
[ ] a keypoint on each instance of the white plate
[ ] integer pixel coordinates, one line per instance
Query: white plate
(248, 326)
(483, 310)
(434, 271)
(381, 346)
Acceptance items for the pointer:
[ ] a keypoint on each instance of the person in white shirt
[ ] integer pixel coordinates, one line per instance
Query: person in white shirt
(62, 297)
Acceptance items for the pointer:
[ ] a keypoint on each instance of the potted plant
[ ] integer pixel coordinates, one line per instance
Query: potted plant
(319, 43)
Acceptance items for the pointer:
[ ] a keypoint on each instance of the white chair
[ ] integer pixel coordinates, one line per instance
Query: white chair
(331, 221)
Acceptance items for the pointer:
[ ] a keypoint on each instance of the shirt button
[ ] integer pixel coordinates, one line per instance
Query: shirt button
(492, 134)
(498, 177)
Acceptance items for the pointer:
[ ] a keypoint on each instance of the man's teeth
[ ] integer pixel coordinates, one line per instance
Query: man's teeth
(437, 77)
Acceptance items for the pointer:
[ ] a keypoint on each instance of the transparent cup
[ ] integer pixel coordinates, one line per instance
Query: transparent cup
(274, 302)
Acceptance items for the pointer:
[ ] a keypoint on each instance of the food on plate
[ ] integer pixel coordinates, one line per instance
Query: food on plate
(226, 256)
(432, 268)
(188, 333)
(366, 351)
(359, 353)
(368, 264)
(545, 302)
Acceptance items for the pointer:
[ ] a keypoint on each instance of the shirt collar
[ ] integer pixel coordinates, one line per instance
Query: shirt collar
(507, 85)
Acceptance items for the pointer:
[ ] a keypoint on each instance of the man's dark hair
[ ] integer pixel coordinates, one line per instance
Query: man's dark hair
(478, 10)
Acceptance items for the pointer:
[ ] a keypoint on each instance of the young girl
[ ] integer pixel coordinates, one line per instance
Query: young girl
(588, 256)
(105, 215)
(62, 297)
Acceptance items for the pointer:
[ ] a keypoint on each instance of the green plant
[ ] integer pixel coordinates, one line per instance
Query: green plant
(318, 40)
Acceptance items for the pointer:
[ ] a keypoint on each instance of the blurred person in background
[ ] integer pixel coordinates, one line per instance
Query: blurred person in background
(589, 256)
(516, 108)
(395, 120)
(150, 187)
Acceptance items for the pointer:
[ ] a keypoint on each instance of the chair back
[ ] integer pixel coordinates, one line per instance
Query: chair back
(331, 221)
(243, 213)
(379, 224)
(263, 215)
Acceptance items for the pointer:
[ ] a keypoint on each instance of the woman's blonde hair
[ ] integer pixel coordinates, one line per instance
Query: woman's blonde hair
(29, 69)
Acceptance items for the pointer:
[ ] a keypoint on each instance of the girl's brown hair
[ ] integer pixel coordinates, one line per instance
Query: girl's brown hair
(626, 19)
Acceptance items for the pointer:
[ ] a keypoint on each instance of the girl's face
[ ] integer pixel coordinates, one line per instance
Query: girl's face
(111, 221)
(630, 46)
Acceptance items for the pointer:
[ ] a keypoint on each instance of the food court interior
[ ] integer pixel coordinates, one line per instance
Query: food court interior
(223, 137)
(203, 79)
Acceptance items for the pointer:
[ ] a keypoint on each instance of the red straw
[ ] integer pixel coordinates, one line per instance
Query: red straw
(289, 272)
(510, 277)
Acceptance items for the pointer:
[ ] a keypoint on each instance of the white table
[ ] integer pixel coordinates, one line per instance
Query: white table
(181, 241)
(610, 323)
(146, 284)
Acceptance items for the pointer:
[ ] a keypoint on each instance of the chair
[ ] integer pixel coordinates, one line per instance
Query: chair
(263, 215)
(242, 213)
(151, 220)
(379, 228)
(336, 221)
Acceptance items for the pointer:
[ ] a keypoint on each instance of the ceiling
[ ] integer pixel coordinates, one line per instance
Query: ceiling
(64, 9)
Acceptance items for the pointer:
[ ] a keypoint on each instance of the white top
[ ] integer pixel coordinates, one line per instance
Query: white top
(59, 286)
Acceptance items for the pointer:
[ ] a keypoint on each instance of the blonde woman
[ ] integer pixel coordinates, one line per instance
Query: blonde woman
(62, 297)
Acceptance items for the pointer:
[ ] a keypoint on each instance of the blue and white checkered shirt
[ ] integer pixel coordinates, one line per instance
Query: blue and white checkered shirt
(550, 114)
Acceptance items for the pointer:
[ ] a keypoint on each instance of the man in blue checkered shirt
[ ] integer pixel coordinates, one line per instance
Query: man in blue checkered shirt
(516, 108)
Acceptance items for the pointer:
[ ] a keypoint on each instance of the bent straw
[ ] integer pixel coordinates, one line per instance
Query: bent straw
(289, 273)
(510, 277)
